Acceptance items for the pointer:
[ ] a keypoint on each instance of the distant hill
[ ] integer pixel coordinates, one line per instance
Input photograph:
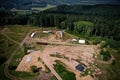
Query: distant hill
(101, 9)
(28, 4)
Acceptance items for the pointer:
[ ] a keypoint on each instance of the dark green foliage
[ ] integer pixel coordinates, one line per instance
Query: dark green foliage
(107, 26)
(87, 9)
(6, 48)
(61, 70)
(106, 55)
(12, 67)
(24, 74)
(2, 60)
(96, 41)
(34, 69)
(47, 69)
(26, 47)
(114, 44)
(113, 62)
(83, 27)
(2, 75)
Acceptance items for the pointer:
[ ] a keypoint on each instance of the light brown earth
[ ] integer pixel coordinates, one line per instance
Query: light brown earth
(73, 51)
(25, 65)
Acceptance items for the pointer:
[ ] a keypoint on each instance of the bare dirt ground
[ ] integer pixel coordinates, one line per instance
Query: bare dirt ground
(71, 53)
(29, 60)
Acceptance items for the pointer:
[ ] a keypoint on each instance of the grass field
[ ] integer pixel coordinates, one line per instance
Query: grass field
(6, 48)
(18, 32)
(43, 8)
(67, 36)
(63, 72)
(10, 37)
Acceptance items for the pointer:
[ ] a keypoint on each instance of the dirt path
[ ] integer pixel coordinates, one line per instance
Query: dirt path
(106, 62)
(10, 38)
(6, 72)
(45, 58)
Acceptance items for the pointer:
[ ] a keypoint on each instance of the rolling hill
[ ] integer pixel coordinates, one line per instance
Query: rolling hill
(28, 4)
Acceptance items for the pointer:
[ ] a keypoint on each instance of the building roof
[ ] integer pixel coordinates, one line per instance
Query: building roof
(79, 67)
(82, 41)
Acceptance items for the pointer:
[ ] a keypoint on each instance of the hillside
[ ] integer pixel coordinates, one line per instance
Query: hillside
(87, 9)
(28, 4)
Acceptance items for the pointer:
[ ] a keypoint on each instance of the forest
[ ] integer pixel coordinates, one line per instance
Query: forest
(98, 23)
(89, 21)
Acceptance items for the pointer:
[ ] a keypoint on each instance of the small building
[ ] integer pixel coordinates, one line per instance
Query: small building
(32, 35)
(80, 67)
(81, 41)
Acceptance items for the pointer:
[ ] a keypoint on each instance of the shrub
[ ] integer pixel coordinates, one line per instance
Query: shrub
(63, 72)
(34, 69)
(106, 55)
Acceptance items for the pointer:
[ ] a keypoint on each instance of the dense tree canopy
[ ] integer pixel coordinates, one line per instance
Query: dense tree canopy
(87, 22)
(83, 27)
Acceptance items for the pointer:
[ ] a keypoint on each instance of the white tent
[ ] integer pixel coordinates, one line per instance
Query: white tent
(74, 40)
(81, 41)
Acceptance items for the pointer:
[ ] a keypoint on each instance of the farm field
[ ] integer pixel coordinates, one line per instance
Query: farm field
(43, 8)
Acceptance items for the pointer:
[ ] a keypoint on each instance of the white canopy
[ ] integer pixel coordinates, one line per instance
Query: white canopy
(82, 41)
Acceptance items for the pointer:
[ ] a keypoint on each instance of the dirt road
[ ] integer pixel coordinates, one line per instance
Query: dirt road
(45, 58)
(6, 72)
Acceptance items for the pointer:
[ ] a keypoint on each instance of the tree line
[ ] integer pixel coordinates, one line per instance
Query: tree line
(87, 25)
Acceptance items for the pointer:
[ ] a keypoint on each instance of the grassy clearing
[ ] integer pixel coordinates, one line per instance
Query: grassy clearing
(26, 75)
(67, 36)
(41, 35)
(17, 58)
(18, 32)
(111, 71)
(6, 47)
(9, 37)
(43, 8)
(63, 72)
